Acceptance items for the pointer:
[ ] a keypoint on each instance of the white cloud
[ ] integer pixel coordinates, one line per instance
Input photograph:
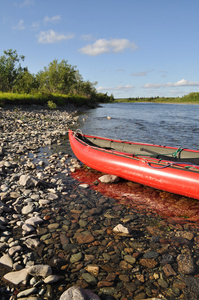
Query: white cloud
(106, 46)
(117, 88)
(182, 82)
(52, 19)
(86, 37)
(51, 37)
(19, 26)
(140, 74)
(28, 2)
(25, 3)
(36, 25)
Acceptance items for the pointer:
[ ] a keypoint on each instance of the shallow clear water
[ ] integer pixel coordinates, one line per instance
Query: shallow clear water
(163, 124)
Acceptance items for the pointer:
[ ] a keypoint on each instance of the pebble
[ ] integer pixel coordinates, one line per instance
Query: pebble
(77, 293)
(60, 240)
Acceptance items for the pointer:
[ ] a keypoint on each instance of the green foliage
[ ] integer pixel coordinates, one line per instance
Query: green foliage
(52, 105)
(192, 98)
(10, 69)
(59, 82)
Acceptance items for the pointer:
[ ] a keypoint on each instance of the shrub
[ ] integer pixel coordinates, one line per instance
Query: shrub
(52, 105)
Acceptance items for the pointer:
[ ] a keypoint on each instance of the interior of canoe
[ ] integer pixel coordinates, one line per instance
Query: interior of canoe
(165, 153)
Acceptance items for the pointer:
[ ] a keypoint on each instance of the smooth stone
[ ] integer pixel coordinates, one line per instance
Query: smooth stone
(27, 292)
(82, 223)
(28, 181)
(30, 298)
(43, 202)
(28, 208)
(85, 238)
(130, 259)
(108, 179)
(32, 243)
(52, 278)
(52, 197)
(151, 254)
(3, 221)
(163, 283)
(17, 277)
(53, 226)
(84, 185)
(6, 260)
(108, 290)
(89, 278)
(15, 249)
(28, 228)
(92, 269)
(40, 270)
(45, 237)
(121, 229)
(34, 221)
(2, 246)
(77, 293)
(76, 257)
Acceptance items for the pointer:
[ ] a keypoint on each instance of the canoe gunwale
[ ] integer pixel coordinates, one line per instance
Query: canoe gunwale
(173, 178)
(154, 162)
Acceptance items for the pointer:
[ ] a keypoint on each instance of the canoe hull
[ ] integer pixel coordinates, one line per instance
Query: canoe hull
(174, 179)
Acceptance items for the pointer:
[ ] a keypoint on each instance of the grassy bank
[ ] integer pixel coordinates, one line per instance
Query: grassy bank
(192, 98)
(52, 100)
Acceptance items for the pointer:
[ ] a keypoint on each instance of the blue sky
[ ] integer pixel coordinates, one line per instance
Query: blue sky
(131, 48)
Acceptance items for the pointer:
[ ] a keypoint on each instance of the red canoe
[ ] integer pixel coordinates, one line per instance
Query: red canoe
(170, 169)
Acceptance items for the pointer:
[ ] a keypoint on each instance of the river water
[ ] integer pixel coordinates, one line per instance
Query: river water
(163, 124)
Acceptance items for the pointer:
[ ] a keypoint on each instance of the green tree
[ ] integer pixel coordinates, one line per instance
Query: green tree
(58, 77)
(10, 68)
(26, 83)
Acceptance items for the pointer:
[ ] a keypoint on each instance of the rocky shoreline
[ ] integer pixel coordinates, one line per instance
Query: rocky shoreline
(59, 239)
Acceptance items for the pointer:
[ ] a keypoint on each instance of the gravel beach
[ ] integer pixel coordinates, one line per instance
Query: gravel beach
(60, 239)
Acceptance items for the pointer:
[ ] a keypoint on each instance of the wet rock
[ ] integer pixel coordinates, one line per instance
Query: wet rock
(167, 258)
(148, 263)
(193, 284)
(121, 229)
(109, 179)
(168, 270)
(130, 259)
(85, 238)
(185, 264)
(76, 257)
(89, 278)
(185, 234)
(92, 269)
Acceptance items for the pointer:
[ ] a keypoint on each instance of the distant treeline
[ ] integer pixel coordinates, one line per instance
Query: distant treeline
(190, 98)
(59, 82)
